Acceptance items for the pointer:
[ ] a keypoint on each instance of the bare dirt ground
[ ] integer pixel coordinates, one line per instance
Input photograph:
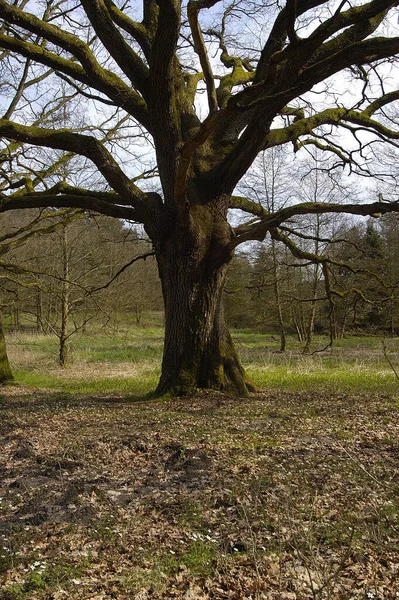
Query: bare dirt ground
(278, 496)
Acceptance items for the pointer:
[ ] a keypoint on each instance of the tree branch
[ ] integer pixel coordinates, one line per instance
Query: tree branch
(246, 205)
(259, 230)
(127, 59)
(165, 79)
(80, 144)
(122, 269)
(23, 234)
(138, 31)
(87, 202)
(199, 46)
(89, 72)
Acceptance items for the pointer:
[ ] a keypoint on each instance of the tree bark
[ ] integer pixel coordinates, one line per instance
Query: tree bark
(65, 306)
(277, 295)
(199, 351)
(39, 312)
(6, 376)
(313, 304)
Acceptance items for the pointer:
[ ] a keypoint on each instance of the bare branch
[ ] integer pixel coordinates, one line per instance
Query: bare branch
(138, 31)
(259, 230)
(89, 72)
(246, 205)
(121, 270)
(199, 45)
(80, 144)
(127, 59)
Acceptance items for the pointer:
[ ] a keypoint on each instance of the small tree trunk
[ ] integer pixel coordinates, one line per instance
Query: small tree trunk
(310, 329)
(198, 350)
(138, 313)
(6, 376)
(39, 312)
(49, 312)
(298, 325)
(392, 315)
(313, 305)
(340, 325)
(64, 350)
(64, 330)
(276, 286)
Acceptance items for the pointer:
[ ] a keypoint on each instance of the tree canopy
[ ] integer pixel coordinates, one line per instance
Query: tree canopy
(170, 104)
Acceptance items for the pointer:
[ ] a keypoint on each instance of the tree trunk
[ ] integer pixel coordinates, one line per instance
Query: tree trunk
(392, 315)
(65, 308)
(138, 313)
(39, 312)
(198, 350)
(277, 295)
(297, 320)
(310, 328)
(5, 369)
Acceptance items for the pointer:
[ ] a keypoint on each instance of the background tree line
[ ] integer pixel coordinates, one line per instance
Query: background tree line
(327, 273)
(82, 268)
(91, 272)
(271, 291)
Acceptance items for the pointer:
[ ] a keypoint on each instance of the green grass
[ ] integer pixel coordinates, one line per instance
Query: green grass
(199, 560)
(354, 364)
(129, 362)
(86, 385)
(340, 380)
(43, 578)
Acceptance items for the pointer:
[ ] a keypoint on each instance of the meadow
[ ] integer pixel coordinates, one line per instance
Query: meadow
(289, 494)
(128, 360)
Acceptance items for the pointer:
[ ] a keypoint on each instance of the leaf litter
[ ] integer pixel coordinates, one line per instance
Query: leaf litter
(281, 495)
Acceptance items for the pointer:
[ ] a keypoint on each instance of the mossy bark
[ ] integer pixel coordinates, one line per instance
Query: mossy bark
(6, 376)
(198, 351)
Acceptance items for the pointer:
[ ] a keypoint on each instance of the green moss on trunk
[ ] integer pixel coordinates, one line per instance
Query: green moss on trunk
(198, 350)
(6, 376)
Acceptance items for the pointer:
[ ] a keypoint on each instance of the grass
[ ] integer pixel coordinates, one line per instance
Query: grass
(129, 362)
(89, 383)
(353, 365)
(42, 577)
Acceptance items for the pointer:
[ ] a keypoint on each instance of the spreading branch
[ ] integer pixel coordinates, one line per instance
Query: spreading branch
(259, 229)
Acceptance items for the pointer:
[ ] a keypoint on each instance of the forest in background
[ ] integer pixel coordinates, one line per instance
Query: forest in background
(95, 272)
(357, 292)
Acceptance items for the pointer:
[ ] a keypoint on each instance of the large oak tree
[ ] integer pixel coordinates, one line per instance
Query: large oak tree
(208, 86)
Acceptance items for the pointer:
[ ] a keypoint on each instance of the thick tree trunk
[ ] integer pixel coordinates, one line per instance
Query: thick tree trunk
(5, 369)
(198, 350)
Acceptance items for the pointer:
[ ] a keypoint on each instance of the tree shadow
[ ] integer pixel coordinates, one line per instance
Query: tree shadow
(20, 399)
